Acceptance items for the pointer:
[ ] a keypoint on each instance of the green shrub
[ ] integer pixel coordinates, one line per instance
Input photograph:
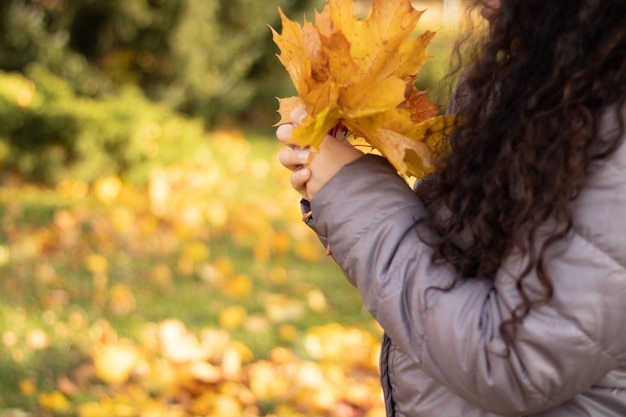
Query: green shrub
(49, 132)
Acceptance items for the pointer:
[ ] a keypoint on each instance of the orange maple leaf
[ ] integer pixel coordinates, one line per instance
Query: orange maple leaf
(361, 73)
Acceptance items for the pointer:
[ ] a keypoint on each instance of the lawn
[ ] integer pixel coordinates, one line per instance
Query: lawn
(200, 293)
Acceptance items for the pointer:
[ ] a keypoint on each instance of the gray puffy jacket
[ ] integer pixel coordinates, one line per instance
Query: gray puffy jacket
(443, 355)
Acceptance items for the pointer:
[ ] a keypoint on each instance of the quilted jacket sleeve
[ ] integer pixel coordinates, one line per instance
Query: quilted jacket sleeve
(368, 216)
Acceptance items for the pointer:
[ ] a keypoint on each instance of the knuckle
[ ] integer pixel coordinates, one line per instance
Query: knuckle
(298, 114)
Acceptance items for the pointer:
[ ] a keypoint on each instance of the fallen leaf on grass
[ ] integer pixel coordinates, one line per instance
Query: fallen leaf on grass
(53, 401)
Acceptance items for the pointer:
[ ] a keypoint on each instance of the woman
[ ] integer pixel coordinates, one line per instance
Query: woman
(501, 281)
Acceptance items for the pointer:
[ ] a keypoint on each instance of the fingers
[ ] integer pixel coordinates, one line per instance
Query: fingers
(297, 115)
(310, 174)
(284, 132)
(299, 181)
(294, 159)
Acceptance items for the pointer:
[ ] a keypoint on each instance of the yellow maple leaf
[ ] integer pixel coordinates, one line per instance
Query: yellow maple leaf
(361, 74)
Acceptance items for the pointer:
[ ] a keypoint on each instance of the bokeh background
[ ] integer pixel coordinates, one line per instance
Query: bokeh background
(153, 262)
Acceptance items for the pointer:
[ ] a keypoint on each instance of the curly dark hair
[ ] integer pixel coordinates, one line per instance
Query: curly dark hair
(531, 108)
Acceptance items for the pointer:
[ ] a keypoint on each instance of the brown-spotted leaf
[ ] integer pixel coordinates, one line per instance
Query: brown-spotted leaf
(407, 155)
(341, 64)
(419, 106)
(428, 134)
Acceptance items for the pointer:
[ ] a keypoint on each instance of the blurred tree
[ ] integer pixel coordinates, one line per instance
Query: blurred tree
(129, 40)
(213, 59)
(36, 32)
(226, 56)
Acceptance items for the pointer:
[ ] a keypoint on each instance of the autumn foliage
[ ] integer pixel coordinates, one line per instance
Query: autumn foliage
(361, 74)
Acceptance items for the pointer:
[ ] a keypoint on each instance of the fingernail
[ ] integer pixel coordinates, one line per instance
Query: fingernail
(303, 174)
(298, 115)
(303, 156)
(284, 132)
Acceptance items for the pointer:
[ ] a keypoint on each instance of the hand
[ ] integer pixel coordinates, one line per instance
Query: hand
(312, 170)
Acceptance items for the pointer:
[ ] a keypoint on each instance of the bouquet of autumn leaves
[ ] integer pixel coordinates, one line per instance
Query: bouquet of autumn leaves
(360, 74)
